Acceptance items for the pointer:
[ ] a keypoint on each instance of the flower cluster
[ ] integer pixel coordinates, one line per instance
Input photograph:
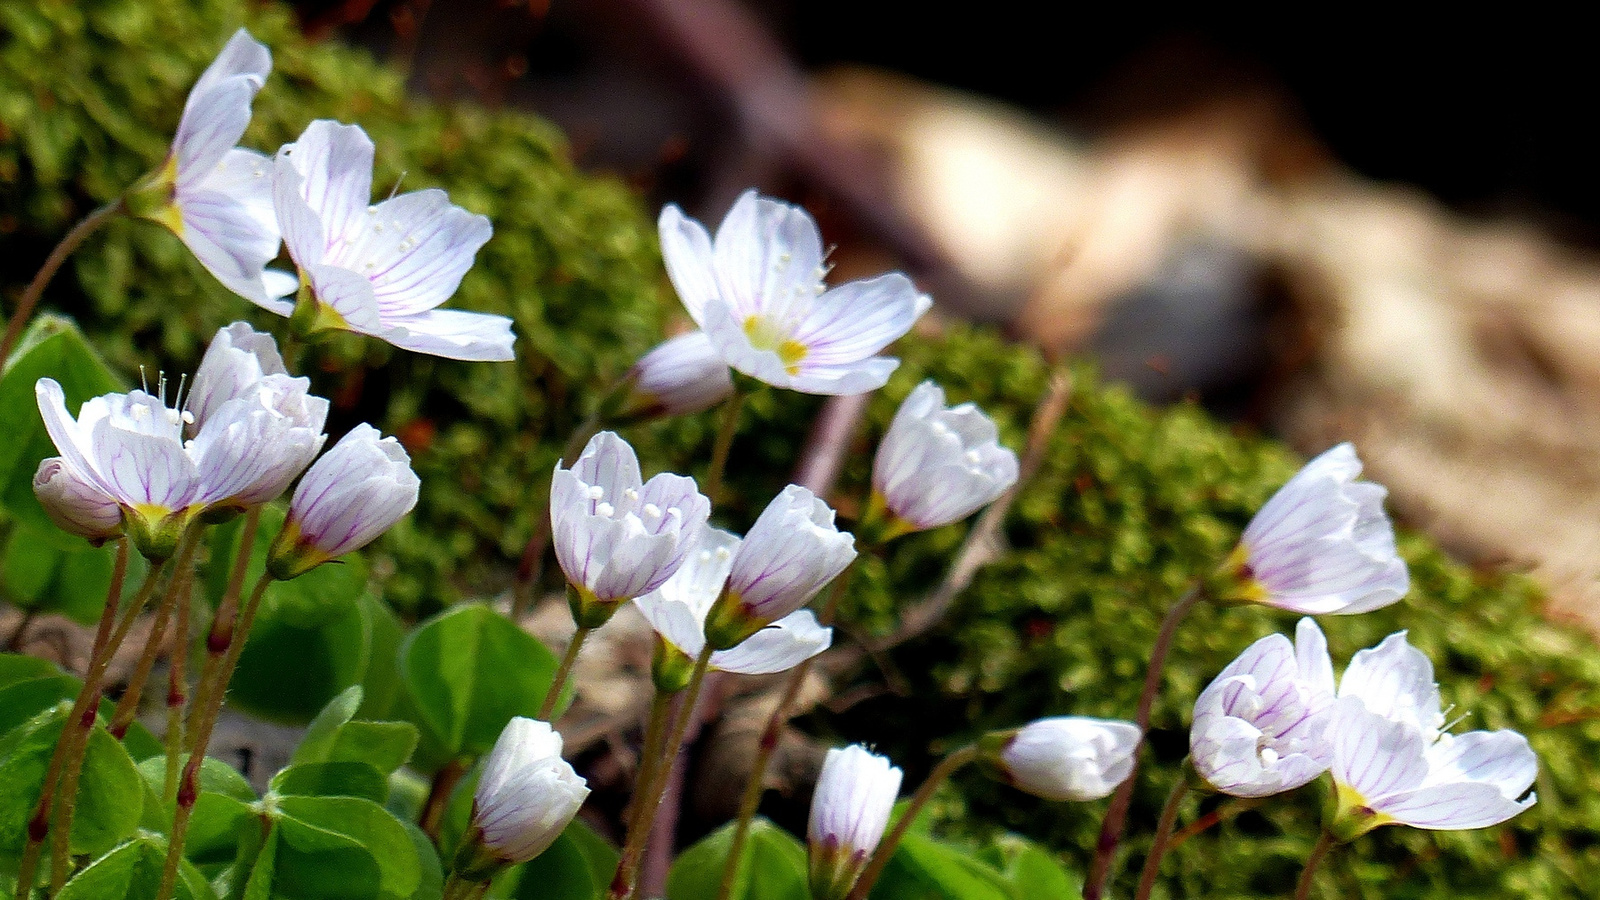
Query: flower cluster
(1272, 721)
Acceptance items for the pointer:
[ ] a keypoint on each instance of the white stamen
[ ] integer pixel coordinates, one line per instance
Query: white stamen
(605, 509)
(652, 510)
(596, 492)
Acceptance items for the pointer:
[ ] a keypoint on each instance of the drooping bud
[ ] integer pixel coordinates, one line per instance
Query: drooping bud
(1065, 757)
(526, 796)
(349, 497)
(75, 504)
(939, 464)
(790, 554)
(680, 376)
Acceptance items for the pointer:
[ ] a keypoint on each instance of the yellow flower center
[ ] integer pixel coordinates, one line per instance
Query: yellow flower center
(764, 334)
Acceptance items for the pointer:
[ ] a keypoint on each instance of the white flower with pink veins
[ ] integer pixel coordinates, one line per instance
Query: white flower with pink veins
(215, 196)
(758, 292)
(379, 269)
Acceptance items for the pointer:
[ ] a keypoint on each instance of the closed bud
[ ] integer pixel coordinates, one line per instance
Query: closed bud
(1066, 757)
(849, 811)
(939, 464)
(791, 552)
(527, 794)
(349, 497)
(75, 504)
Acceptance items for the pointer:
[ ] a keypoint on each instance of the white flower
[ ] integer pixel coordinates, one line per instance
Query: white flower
(1069, 757)
(238, 358)
(215, 196)
(616, 536)
(354, 493)
(527, 794)
(849, 811)
(1260, 727)
(791, 552)
(74, 503)
(938, 464)
(677, 611)
(758, 293)
(1392, 763)
(379, 269)
(132, 449)
(1322, 544)
(680, 376)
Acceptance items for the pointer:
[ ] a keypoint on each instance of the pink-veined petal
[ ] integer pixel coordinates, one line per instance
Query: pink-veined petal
(1452, 807)
(414, 248)
(349, 295)
(686, 250)
(768, 256)
(335, 165)
(454, 334)
(854, 321)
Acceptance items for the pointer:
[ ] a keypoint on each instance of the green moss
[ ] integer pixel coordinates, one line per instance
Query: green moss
(1131, 502)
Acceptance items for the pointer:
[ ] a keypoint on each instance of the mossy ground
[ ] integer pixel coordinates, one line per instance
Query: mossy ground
(1131, 504)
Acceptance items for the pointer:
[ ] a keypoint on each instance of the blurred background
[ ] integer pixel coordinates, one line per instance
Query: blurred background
(1363, 229)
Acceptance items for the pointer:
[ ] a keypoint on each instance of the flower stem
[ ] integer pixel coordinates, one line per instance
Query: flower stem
(224, 619)
(1325, 843)
(182, 577)
(655, 731)
(724, 443)
(14, 643)
(880, 857)
(458, 888)
(30, 296)
(444, 784)
(1095, 884)
(177, 687)
(626, 877)
(563, 672)
(220, 666)
(89, 697)
(1169, 818)
(756, 785)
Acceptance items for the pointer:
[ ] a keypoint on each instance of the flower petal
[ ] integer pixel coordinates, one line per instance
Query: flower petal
(854, 321)
(686, 250)
(1452, 807)
(335, 165)
(768, 255)
(453, 334)
(414, 248)
(1395, 680)
(779, 647)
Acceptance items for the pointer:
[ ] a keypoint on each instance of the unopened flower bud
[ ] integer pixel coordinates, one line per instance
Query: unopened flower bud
(527, 793)
(1066, 757)
(939, 464)
(791, 552)
(849, 812)
(354, 493)
(681, 376)
(1321, 545)
(74, 504)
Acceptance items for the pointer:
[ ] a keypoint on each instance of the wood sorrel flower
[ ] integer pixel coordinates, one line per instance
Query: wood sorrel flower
(1393, 764)
(215, 196)
(1065, 757)
(238, 358)
(758, 292)
(1321, 545)
(1260, 727)
(354, 493)
(677, 612)
(616, 536)
(526, 796)
(939, 464)
(791, 552)
(378, 269)
(680, 376)
(849, 811)
(163, 466)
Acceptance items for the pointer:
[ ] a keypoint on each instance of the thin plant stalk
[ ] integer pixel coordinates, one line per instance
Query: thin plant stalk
(30, 296)
(14, 643)
(458, 888)
(626, 878)
(443, 785)
(128, 706)
(1099, 877)
(1325, 843)
(650, 763)
(756, 785)
(189, 785)
(177, 688)
(563, 672)
(1169, 818)
(223, 620)
(1230, 808)
(68, 756)
(880, 857)
(724, 443)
